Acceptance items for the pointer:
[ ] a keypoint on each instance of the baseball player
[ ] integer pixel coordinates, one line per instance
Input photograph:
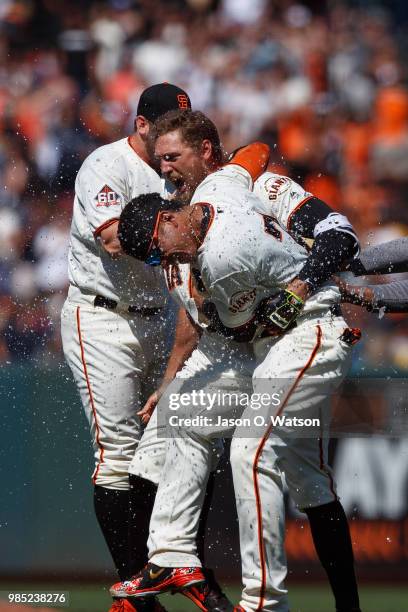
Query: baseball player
(114, 329)
(218, 361)
(268, 583)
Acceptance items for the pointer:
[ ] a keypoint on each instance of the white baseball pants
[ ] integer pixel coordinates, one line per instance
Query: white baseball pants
(303, 366)
(116, 360)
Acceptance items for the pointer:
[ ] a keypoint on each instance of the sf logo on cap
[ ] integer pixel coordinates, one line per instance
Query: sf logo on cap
(182, 101)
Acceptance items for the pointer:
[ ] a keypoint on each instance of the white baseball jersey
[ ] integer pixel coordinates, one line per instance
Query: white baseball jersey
(246, 257)
(109, 178)
(274, 196)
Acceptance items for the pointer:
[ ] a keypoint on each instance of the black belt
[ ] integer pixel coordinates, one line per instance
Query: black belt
(335, 311)
(112, 305)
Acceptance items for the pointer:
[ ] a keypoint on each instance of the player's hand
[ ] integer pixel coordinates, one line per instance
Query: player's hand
(355, 294)
(146, 412)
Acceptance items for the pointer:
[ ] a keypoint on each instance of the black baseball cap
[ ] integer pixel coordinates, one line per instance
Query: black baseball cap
(158, 99)
(137, 224)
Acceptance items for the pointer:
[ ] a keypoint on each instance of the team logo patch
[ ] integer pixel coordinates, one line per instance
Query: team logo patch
(107, 197)
(276, 187)
(182, 101)
(242, 301)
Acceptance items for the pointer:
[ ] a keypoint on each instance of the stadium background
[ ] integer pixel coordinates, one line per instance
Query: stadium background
(325, 84)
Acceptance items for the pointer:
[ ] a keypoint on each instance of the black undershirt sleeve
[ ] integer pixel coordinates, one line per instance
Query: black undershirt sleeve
(304, 220)
(330, 248)
(329, 251)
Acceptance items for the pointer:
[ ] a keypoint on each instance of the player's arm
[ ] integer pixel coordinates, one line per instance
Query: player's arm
(109, 240)
(308, 218)
(186, 339)
(387, 298)
(388, 258)
(102, 192)
(334, 242)
(252, 158)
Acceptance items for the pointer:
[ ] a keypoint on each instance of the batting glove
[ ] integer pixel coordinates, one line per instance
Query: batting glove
(279, 312)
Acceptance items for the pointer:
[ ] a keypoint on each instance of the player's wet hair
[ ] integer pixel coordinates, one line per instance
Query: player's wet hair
(138, 220)
(195, 127)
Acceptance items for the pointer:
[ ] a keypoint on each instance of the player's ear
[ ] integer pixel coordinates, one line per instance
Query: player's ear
(142, 125)
(206, 150)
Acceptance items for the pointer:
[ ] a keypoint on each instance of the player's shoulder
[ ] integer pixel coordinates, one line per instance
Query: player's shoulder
(273, 185)
(109, 157)
(224, 186)
(233, 232)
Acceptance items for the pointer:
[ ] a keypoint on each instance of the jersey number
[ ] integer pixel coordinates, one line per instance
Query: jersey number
(272, 227)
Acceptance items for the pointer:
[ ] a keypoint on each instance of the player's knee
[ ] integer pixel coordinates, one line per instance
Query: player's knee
(112, 475)
(308, 494)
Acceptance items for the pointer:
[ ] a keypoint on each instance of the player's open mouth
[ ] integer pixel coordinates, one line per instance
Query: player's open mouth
(179, 183)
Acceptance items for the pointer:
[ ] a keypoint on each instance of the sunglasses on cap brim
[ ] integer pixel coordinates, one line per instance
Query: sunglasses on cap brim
(154, 257)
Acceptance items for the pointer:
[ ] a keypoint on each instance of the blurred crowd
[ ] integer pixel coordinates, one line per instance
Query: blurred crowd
(324, 83)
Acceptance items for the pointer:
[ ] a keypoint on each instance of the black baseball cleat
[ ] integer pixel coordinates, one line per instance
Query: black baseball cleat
(153, 580)
(208, 595)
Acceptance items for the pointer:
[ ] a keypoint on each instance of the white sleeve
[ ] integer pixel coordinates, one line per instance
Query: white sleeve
(223, 184)
(238, 174)
(102, 191)
(280, 196)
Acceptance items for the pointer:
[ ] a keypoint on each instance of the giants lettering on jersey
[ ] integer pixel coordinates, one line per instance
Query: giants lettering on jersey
(277, 187)
(242, 300)
(107, 197)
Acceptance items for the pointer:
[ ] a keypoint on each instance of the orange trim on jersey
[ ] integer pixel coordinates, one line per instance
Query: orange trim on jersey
(155, 234)
(91, 399)
(105, 226)
(212, 215)
(190, 283)
(289, 221)
(255, 465)
(129, 143)
(254, 158)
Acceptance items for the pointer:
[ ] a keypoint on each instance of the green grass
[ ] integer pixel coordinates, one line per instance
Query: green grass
(314, 598)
